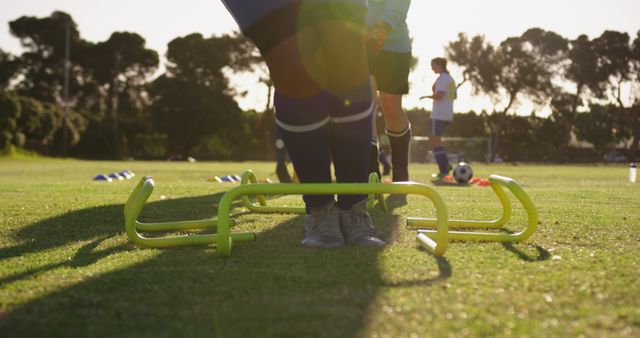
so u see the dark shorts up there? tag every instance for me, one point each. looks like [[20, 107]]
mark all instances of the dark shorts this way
[[391, 71], [269, 22], [436, 127]]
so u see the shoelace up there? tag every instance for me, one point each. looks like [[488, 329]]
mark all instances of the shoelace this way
[[322, 228], [361, 222]]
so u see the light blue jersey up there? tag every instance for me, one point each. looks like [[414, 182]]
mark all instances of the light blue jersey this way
[[394, 13]]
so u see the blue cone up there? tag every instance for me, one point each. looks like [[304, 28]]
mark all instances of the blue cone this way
[[116, 176], [102, 177], [227, 178], [127, 174]]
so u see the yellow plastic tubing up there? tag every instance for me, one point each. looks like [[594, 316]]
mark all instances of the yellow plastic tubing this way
[[497, 184], [437, 244], [133, 208], [249, 178], [435, 241], [224, 238]]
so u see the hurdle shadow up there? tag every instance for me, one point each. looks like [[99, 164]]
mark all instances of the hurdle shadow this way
[[274, 287], [444, 272], [96, 224], [85, 256], [60, 231], [395, 202], [103, 221], [521, 252], [444, 267]]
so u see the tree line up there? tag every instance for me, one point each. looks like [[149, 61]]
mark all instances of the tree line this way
[[580, 79], [67, 96], [111, 100]]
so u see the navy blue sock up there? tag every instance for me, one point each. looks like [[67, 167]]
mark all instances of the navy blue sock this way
[[350, 146], [303, 124], [281, 156], [311, 157], [442, 159], [400, 143], [350, 133]]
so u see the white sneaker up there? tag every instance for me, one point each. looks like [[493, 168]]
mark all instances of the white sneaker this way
[[322, 228], [357, 226]]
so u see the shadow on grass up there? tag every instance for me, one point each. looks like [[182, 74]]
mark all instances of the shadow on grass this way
[[85, 256], [444, 272], [541, 254], [522, 252], [103, 222], [273, 287], [394, 202]]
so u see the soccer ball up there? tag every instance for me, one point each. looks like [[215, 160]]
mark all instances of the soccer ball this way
[[462, 173]]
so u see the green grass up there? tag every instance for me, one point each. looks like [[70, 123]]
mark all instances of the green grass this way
[[67, 269]]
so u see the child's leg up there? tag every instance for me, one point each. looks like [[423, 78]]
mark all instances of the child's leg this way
[[348, 82], [350, 145], [399, 143], [436, 129], [306, 137], [288, 40]]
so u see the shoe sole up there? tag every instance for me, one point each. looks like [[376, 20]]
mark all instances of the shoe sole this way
[[318, 244], [369, 243]]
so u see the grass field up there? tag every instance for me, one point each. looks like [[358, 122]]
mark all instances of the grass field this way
[[67, 269]]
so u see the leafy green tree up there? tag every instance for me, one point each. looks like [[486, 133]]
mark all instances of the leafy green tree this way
[[9, 115], [548, 133], [42, 65], [519, 134], [524, 65], [635, 59], [118, 71], [563, 114], [192, 99], [634, 111], [468, 125], [583, 71], [596, 127], [8, 68], [38, 126], [245, 58], [42, 68], [614, 57], [43, 124], [476, 57]]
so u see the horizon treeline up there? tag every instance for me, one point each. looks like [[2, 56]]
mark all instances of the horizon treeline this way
[[109, 100]]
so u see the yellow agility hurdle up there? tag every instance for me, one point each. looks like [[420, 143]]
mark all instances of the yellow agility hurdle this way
[[497, 183], [425, 237], [435, 241], [224, 238], [133, 227], [250, 178]]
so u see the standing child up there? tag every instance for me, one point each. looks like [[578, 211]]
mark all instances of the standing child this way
[[316, 57], [389, 51], [444, 93]]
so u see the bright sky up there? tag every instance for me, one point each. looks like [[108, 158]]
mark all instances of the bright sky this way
[[431, 26]]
